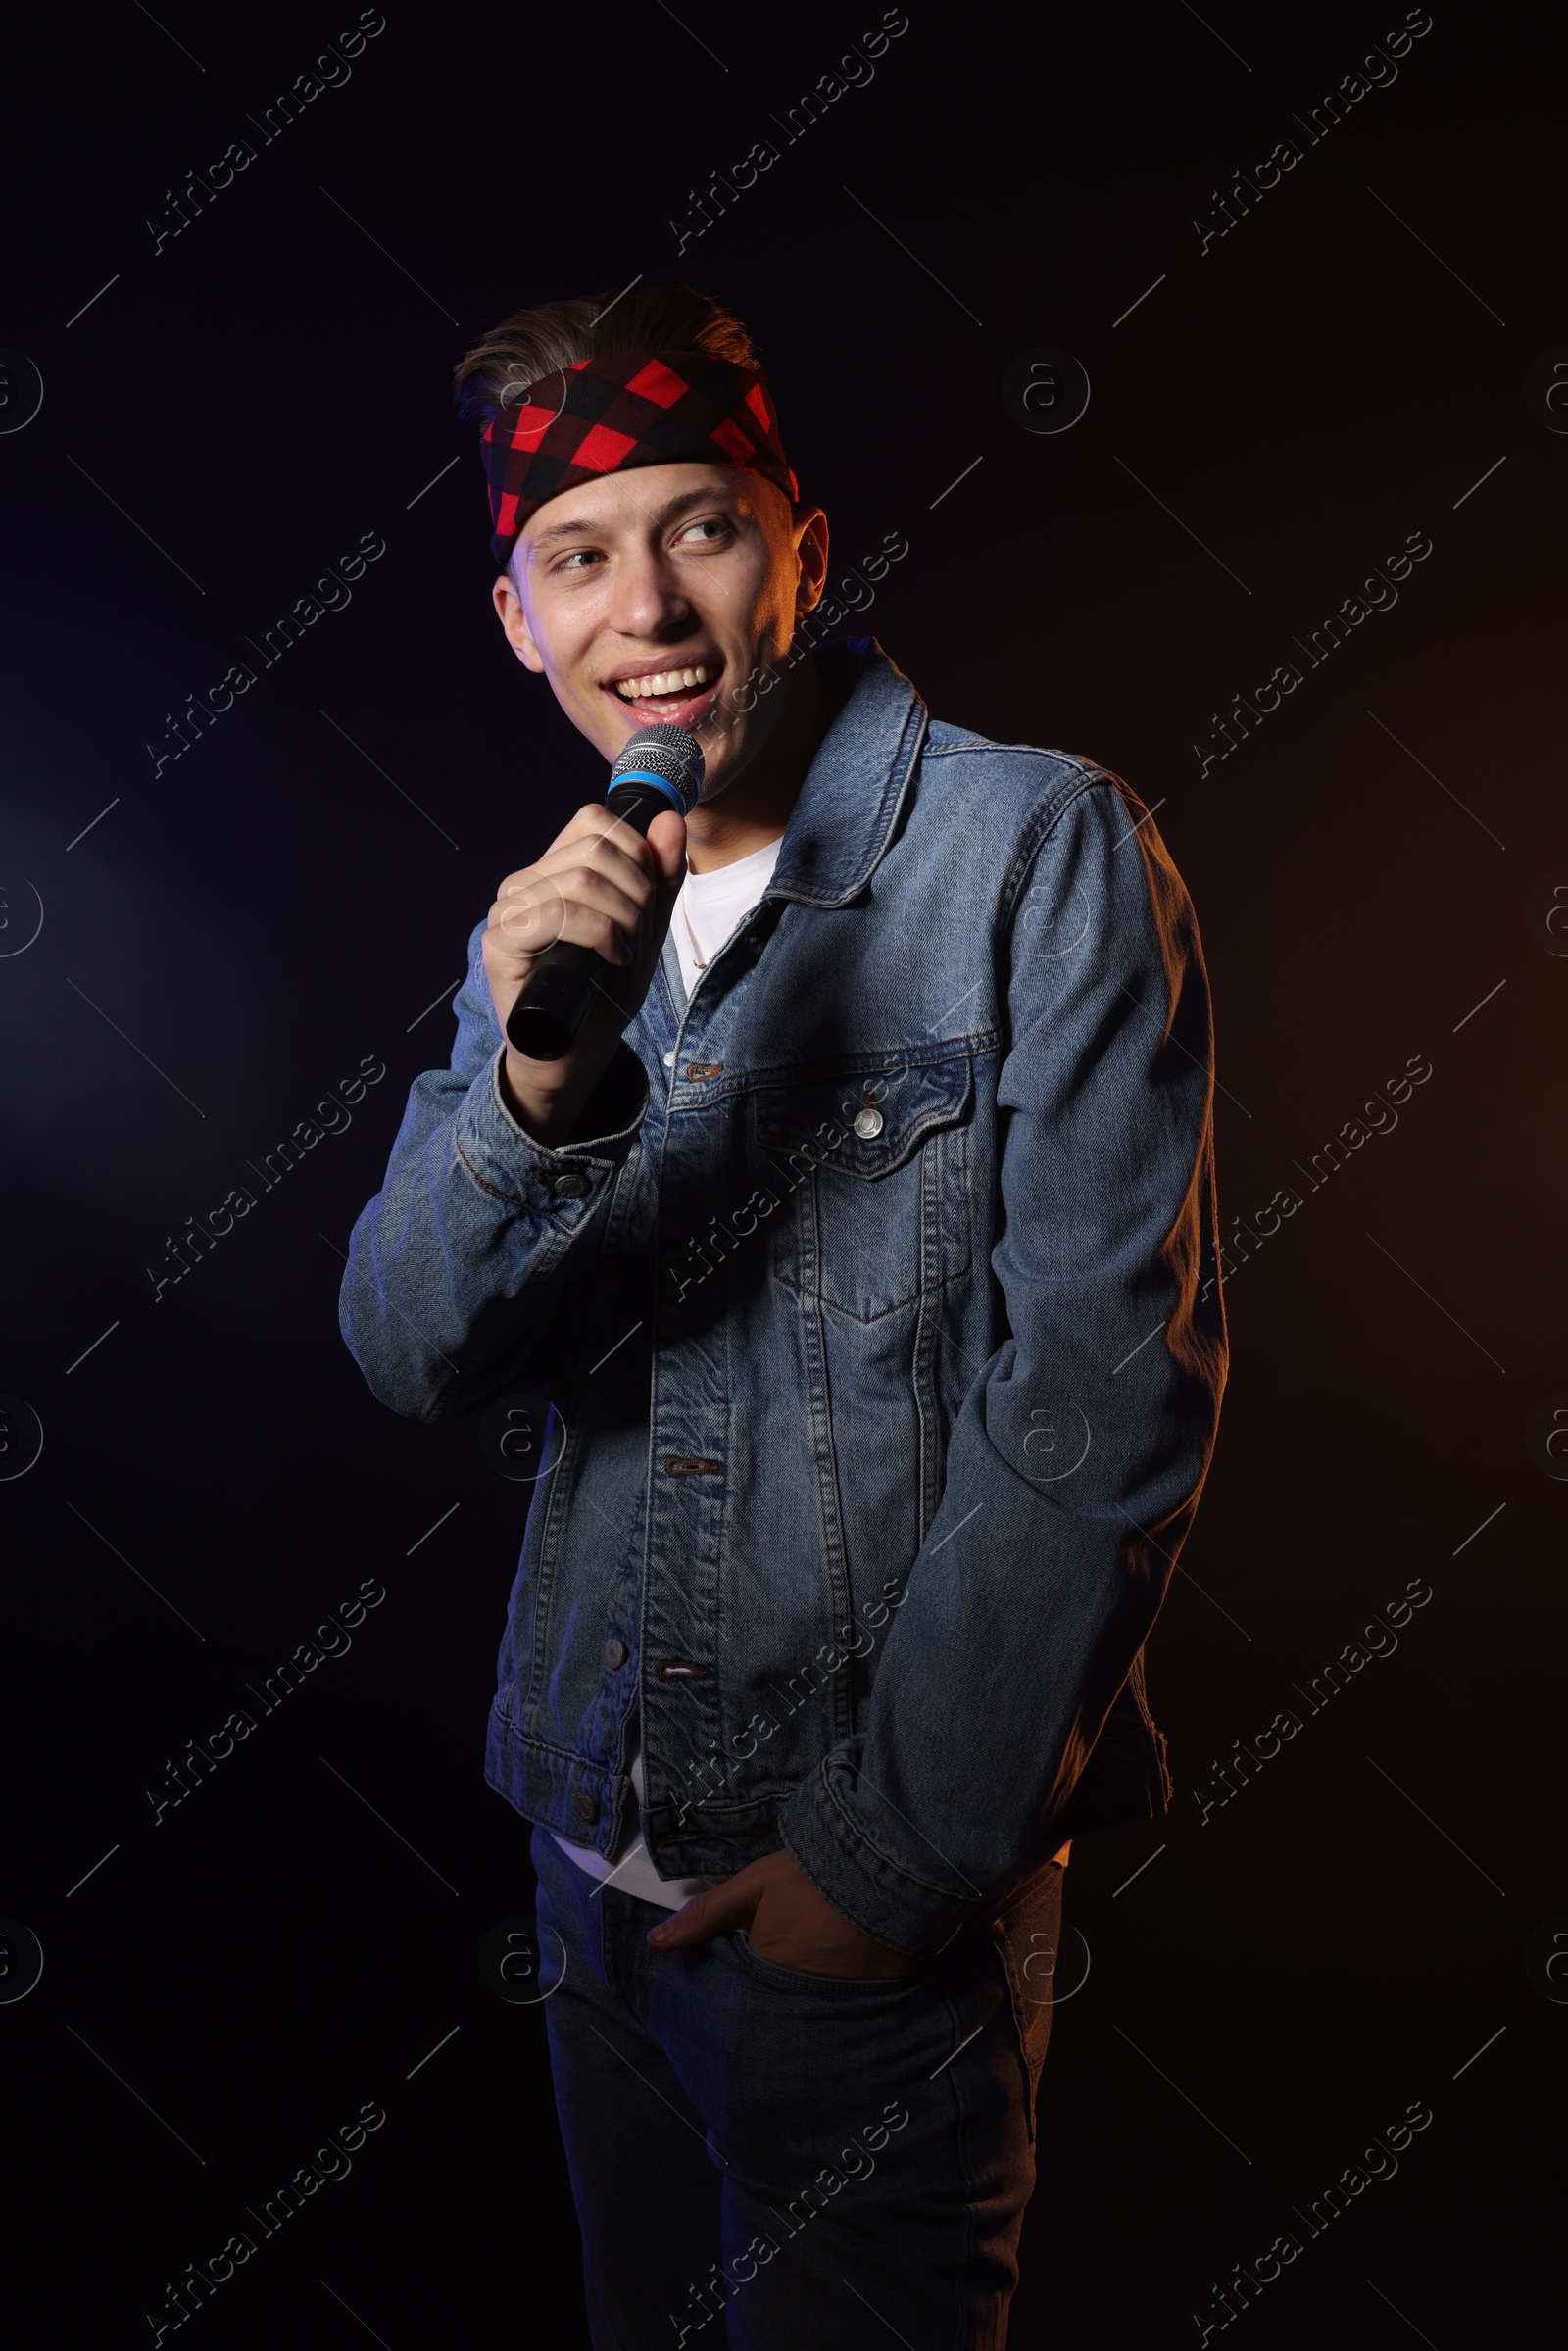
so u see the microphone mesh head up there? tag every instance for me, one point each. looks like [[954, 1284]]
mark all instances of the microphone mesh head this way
[[670, 753]]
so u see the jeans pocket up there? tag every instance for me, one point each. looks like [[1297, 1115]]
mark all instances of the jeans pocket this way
[[834, 1988]]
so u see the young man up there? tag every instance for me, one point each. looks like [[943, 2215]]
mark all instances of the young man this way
[[860, 1245]]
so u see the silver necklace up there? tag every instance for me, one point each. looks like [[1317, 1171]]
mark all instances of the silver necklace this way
[[697, 957]]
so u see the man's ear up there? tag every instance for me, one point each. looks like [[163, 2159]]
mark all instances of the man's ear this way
[[810, 547], [515, 622]]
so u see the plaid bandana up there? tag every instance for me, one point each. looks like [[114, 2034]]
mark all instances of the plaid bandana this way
[[628, 408]]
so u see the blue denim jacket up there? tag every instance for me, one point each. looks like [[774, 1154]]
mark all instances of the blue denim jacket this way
[[877, 1314]]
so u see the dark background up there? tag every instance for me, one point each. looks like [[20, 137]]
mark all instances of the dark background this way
[[237, 930]]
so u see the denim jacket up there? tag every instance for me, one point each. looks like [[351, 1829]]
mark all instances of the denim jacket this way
[[876, 1312]]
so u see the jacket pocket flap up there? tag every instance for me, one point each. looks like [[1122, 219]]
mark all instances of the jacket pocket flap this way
[[865, 1121]]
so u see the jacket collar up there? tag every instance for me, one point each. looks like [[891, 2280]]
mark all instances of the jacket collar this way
[[854, 790]]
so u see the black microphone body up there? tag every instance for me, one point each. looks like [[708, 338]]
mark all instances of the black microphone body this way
[[661, 769]]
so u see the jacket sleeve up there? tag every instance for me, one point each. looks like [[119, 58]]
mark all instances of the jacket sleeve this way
[[1076, 1461], [458, 1263]]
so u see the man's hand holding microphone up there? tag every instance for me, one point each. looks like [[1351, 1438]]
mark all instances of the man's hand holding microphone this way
[[573, 940]]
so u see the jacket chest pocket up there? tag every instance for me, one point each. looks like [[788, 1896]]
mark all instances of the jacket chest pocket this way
[[874, 1172]]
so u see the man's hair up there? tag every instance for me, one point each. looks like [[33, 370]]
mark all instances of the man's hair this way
[[535, 343]]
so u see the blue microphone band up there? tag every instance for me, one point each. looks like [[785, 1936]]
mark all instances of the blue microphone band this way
[[645, 775]]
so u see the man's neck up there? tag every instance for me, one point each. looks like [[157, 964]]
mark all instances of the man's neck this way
[[755, 809]]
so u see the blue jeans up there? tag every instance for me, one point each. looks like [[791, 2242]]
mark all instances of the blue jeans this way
[[772, 2159]]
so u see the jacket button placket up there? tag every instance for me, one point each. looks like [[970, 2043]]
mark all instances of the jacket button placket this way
[[681, 1711]]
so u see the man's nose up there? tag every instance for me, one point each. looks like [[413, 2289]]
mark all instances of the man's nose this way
[[649, 600]]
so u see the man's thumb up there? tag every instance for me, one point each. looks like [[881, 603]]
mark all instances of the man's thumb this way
[[666, 838]]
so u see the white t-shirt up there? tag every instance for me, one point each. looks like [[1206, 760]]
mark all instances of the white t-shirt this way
[[711, 905], [709, 908]]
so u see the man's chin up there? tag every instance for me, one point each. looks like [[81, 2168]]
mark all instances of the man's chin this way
[[731, 753]]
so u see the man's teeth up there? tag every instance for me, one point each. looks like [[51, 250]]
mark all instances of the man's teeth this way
[[662, 681]]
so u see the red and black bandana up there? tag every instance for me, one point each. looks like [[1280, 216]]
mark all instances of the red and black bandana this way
[[628, 408]]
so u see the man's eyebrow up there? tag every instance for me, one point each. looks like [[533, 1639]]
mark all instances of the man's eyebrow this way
[[590, 527]]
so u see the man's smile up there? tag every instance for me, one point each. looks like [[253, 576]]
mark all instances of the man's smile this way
[[679, 691]]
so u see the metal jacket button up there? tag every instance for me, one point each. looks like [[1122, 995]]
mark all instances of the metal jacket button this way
[[615, 1653], [587, 1808], [867, 1123], [572, 1187]]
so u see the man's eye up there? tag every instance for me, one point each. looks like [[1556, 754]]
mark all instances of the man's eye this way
[[711, 522], [579, 559]]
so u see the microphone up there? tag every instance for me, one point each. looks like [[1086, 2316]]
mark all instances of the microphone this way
[[660, 768]]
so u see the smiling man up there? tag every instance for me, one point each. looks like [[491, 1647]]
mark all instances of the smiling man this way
[[858, 1247]]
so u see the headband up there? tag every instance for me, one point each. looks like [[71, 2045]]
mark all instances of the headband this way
[[625, 409]]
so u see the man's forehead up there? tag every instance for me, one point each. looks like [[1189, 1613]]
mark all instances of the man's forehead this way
[[644, 496]]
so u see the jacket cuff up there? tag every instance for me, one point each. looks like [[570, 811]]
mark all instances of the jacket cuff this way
[[511, 1167], [873, 1864]]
